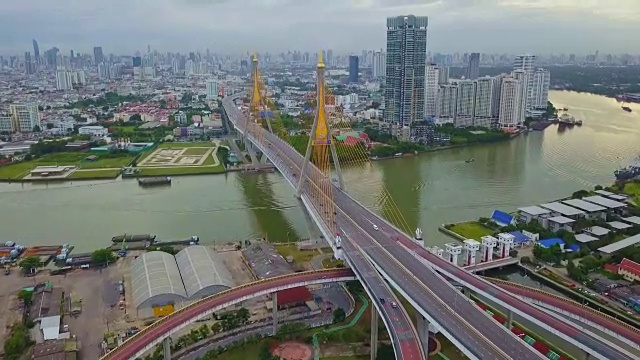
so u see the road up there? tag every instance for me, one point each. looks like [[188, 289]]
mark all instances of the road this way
[[163, 327], [386, 253]]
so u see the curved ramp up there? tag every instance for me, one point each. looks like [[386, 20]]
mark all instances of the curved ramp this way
[[153, 334]]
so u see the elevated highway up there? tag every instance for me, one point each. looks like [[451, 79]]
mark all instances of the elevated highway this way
[[395, 261]]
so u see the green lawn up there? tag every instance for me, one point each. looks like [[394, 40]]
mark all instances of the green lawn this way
[[299, 256], [331, 263], [249, 351], [16, 171], [94, 174], [196, 151], [471, 230], [107, 163], [20, 170], [182, 145], [633, 189], [186, 170]]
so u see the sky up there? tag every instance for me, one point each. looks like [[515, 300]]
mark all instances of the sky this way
[[237, 26]]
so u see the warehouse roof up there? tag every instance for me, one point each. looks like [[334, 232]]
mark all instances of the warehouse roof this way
[[156, 274], [202, 268]]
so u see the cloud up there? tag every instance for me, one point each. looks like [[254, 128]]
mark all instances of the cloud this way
[[124, 26]]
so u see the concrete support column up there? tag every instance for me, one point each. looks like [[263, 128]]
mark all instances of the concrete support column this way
[[509, 323], [586, 356], [274, 299], [467, 292], [423, 334], [374, 333], [166, 348]]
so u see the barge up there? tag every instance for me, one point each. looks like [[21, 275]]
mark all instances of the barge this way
[[154, 181], [133, 238]]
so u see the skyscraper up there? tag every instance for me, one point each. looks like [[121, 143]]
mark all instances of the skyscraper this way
[[431, 90], [473, 68], [379, 64], [512, 95], [353, 69], [36, 52], [541, 81], [482, 112], [406, 62], [526, 63], [98, 57], [28, 64], [465, 103]]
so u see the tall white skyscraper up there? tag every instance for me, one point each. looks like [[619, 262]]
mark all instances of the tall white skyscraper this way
[[541, 82], [212, 89], [379, 64], [406, 62], [431, 89], [511, 95], [523, 77], [104, 71], [447, 102], [482, 113], [64, 80], [526, 63], [495, 97], [465, 103], [443, 75]]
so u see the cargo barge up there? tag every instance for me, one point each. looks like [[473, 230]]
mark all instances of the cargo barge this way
[[629, 172], [154, 181], [137, 245], [133, 238]]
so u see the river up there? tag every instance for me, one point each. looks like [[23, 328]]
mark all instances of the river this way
[[430, 189]]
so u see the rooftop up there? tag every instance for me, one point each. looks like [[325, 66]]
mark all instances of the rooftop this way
[[562, 209], [611, 195], [619, 225], [630, 266], [617, 246], [533, 210], [597, 230], [585, 238], [561, 220], [584, 205], [602, 201], [632, 220]]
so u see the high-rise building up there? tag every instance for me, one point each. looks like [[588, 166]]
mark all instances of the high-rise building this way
[[36, 52], [495, 96], [465, 103], [25, 117], [473, 68], [431, 90], [447, 102], [406, 64], [104, 71], [64, 80], [353, 69], [511, 95], [329, 58], [28, 64], [523, 77], [482, 111], [98, 57], [526, 63], [379, 64], [212, 89], [541, 82], [137, 61], [443, 74]]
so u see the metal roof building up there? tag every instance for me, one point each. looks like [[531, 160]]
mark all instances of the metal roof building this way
[[203, 272], [156, 280]]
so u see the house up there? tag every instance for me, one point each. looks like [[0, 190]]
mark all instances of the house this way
[[529, 213], [635, 220], [597, 231], [612, 206], [619, 245], [547, 243], [560, 209], [592, 211], [558, 223], [630, 270], [619, 226], [585, 238], [612, 196], [502, 218]]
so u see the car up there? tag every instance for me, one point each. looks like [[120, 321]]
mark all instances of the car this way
[[394, 304], [382, 301], [375, 227]]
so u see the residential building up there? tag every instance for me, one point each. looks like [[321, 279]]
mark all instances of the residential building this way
[[97, 131], [526, 63], [495, 96], [431, 89], [473, 68], [24, 117], [482, 111], [447, 102], [523, 77], [443, 74], [353, 69], [406, 64], [64, 81], [6, 125], [630, 270], [98, 57], [540, 88], [28, 64], [510, 100], [104, 71], [379, 64], [465, 103], [212, 89]]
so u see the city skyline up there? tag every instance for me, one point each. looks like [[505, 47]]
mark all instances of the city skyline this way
[[487, 26]]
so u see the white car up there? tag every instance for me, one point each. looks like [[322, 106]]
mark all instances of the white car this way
[[375, 227]]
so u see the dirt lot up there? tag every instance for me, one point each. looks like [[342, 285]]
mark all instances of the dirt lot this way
[[238, 269], [99, 293]]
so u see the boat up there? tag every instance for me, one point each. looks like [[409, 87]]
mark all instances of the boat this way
[[133, 238], [626, 108], [566, 119], [470, 160], [154, 181], [418, 234], [579, 122], [628, 172], [565, 109]]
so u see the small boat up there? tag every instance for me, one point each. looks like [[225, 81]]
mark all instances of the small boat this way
[[154, 181], [470, 160], [565, 109], [626, 108], [578, 122]]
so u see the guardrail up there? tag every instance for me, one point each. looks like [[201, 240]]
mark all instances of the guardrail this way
[[566, 301], [337, 272]]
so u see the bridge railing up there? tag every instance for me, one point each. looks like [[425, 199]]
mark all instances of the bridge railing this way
[[161, 321], [566, 301]]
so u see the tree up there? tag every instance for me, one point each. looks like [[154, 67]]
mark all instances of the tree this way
[[339, 315], [29, 263], [598, 187], [216, 328], [243, 315], [36, 128], [17, 342], [102, 256], [204, 330], [26, 296], [385, 352]]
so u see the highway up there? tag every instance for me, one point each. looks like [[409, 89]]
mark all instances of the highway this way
[[476, 333], [387, 253], [153, 334]]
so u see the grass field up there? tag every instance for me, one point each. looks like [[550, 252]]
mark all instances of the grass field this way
[[195, 151], [94, 174], [299, 256], [20, 170], [633, 189], [182, 145], [471, 230]]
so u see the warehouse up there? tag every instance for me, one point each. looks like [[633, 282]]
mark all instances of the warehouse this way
[[203, 272]]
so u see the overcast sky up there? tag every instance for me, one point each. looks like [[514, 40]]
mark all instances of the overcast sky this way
[[234, 26]]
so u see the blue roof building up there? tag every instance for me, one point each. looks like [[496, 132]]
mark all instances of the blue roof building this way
[[502, 218], [547, 243], [519, 237]]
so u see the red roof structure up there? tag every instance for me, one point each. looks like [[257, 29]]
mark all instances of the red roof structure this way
[[630, 266], [611, 268], [294, 296]]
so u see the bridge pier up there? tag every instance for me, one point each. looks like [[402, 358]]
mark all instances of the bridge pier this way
[[251, 150], [466, 292], [274, 299], [374, 333], [509, 323], [423, 334], [166, 348]]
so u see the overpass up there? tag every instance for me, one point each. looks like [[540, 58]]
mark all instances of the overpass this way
[[379, 244]]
